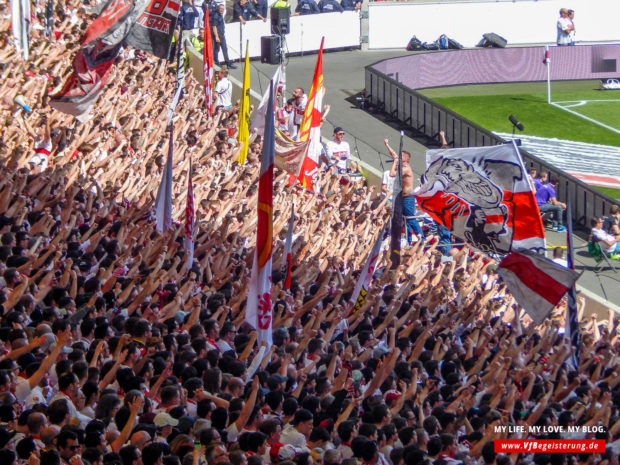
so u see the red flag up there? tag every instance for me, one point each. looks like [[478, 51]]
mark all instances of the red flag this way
[[310, 128], [288, 247], [258, 311], [189, 216], [547, 60], [537, 283], [207, 57]]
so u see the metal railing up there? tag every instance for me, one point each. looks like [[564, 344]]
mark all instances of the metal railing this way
[[425, 117]]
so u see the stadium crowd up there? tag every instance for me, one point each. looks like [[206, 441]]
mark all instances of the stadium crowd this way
[[116, 350]]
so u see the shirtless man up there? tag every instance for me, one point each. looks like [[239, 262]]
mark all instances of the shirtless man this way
[[408, 198]]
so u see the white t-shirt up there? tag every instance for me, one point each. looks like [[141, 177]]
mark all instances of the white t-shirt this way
[[388, 181], [339, 152], [299, 109], [601, 236], [223, 88]]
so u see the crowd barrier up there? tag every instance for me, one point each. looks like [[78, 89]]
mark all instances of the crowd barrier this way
[[524, 22], [426, 117], [341, 30]]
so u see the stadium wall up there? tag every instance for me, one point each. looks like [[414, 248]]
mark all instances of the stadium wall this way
[[391, 25], [341, 30]]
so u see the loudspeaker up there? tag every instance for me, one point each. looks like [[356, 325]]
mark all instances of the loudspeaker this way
[[280, 20], [492, 40], [270, 50]]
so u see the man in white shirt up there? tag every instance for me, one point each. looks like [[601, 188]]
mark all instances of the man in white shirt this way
[[564, 27], [299, 106], [223, 90], [297, 433], [609, 242], [338, 151]]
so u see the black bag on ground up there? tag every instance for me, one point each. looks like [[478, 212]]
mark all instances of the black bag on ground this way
[[491, 39], [454, 45], [414, 44]]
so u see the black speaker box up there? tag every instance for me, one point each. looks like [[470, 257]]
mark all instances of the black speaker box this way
[[280, 20], [270, 50]]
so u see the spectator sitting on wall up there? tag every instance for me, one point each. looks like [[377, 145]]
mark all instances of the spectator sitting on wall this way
[[351, 5], [306, 7], [244, 11], [330, 6]]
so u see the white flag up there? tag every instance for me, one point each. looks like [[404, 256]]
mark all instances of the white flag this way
[[257, 121], [163, 202]]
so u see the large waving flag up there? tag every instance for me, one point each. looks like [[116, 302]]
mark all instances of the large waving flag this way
[[363, 282], [482, 195], [189, 216], [244, 111], [154, 29], [288, 248], [258, 117], [163, 201], [258, 312], [91, 69], [290, 154], [310, 128], [207, 67], [537, 283]]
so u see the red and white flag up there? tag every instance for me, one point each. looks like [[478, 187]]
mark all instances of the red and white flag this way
[[257, 121], [310, 128], [482, 195], [189, 217], [207, 56], [288, 248], [537, 283], [258, 312], [163, 202], [547, 60]]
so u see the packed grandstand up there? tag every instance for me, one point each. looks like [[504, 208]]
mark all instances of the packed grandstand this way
[[119, 347]]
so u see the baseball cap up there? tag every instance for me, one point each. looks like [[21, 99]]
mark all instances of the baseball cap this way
[[164, 419], [338, 129]]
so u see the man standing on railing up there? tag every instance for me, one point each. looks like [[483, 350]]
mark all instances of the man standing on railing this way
[[407, 186], [219, 36]]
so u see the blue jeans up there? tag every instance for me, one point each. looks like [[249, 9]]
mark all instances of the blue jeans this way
[[555, 209], [409, 213], [445, 239]]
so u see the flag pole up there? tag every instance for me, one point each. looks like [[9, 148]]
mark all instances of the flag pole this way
[[548, 64], [571, 325], [397, 210]]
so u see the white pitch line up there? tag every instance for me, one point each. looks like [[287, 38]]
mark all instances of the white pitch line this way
[[578, 104], [592, 120], [603, 100]]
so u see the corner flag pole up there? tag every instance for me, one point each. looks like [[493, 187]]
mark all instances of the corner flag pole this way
[[548, 64]]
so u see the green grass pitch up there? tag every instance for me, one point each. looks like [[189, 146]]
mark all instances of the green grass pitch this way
[[489, 105]]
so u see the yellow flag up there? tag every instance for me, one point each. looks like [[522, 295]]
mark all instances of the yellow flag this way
[[244, 111]]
